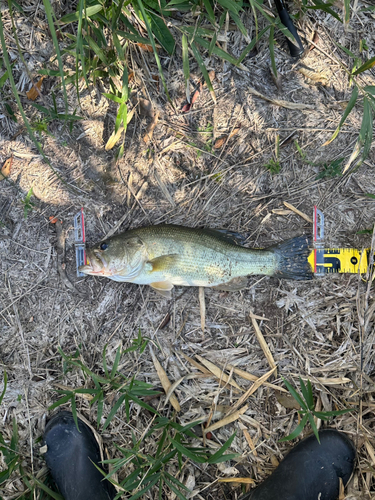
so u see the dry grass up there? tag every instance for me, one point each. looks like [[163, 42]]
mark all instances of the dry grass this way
[[322, 330]]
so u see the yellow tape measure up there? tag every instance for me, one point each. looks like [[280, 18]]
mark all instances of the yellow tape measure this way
[[334, 260], [339, 260]]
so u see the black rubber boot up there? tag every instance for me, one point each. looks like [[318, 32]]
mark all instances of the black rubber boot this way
[[69, 457], [310, 471]]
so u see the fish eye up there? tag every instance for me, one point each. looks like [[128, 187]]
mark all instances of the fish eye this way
[[104, 246]]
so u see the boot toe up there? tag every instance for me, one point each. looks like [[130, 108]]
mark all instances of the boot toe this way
[[71, 455], [311, 471]]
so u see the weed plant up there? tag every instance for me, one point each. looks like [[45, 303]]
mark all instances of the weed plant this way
[[173, 440], [307, 411], [103, 32]]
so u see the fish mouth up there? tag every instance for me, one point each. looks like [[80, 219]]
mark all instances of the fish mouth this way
[[96, 264]]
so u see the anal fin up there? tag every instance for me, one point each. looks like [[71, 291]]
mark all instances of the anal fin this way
[[233, 285], [163, 287]]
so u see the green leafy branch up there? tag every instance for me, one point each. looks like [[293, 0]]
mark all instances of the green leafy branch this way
[[128, 390], [151, 469], [307, 411]]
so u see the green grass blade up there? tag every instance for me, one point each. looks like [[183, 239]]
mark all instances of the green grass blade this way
[[368, 65], [74, 412], [230, 5], [188, 453], [252, 44], [305, 394], [105, 361], [349, 107], [152, 41], [216, 50], [319, 5], [236, 18], [100, 409], [5, 378], [203, 68], [48, 10], [323, 415], [210, 12], [80, 54], [98, 51], [220, 453], [185, 63], [120, 51], [145, 489], [161, 32], [176, 481], [75, 16], [61, 401], [134, 38], [313, 426], [295, 394], [47, 490], [367, 125], [175, 490], [114, 410], [118, 352], [272, 51], [297, 431]]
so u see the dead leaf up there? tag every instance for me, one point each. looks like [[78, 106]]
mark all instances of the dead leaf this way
[[298, 212], [250, 442], [274, 460], [280, 102], [341, 490], [253, 388], [53, 219], [218, 372], [145, 47], [33, 93], [251, 377], [287, 401], [5, 169], [312, 75], [263, 344], [219, 143], [227, 420], [196, 94], [165, 382]]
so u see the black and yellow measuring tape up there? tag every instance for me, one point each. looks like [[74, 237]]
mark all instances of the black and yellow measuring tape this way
[[335, 260]]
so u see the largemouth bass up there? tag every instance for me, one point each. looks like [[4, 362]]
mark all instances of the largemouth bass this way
[[167, 255]]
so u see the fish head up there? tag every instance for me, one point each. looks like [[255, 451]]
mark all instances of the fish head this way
[[117, 258]]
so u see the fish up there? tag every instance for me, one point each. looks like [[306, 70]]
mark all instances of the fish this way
[[164, 256]]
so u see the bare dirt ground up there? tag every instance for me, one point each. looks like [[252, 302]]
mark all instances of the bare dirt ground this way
[[322, 330]]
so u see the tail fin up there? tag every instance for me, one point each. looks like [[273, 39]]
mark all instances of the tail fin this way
[[292, 258]]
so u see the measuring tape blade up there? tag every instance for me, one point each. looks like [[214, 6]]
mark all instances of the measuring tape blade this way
[[334, 260], [339, 260]]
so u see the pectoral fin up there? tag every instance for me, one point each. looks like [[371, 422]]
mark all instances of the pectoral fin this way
[[233, 285], [163, 287], [163, 262]]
